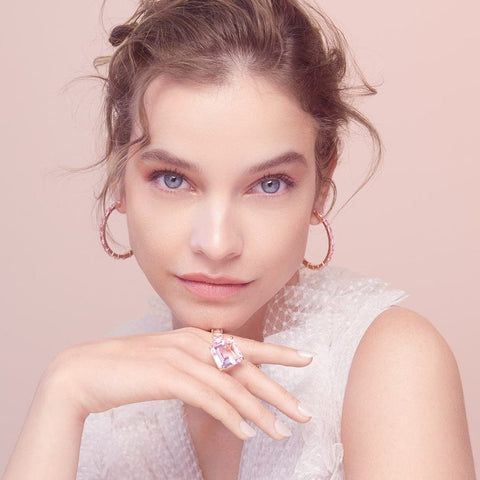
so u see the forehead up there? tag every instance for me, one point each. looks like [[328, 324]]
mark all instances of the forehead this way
[[248, 116]]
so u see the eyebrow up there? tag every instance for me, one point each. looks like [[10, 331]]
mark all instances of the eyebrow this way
[[161, 155]]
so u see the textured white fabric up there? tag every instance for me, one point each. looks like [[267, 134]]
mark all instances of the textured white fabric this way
[[327, 312]]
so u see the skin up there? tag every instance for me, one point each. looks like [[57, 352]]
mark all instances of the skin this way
[[403, 413], [222, 221]]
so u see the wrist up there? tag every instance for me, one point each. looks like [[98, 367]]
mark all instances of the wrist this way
[[49, 442], [55, 393]]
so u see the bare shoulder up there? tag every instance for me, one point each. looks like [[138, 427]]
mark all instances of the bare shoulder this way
[[403, 413]]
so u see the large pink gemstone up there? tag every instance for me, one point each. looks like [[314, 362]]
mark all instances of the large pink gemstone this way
[[225, 352]]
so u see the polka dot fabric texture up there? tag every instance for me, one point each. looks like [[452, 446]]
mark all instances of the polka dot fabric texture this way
[[326, 312]]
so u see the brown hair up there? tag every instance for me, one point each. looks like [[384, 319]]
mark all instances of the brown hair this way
[[202, 41]]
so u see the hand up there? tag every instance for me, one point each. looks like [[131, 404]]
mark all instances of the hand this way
[[100, 375]]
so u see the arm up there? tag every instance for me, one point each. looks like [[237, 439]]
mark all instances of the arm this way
[[49, 443], [403, 414]]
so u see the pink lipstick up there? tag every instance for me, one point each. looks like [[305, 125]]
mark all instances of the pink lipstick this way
[[212, 287]]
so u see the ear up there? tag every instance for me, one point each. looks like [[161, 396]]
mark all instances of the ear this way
[[120, 196], [319, 204], [121, 207], [313, 218]]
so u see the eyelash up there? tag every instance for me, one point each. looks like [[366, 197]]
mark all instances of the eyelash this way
[[280, 175]]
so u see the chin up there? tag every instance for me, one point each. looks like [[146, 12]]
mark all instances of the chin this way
[[227, 327], [207, 324]]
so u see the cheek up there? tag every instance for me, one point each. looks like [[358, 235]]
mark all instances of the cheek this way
[[155, 235], [281, 246]]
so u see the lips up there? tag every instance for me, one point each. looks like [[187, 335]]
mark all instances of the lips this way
[[208, 287], [217, 280]]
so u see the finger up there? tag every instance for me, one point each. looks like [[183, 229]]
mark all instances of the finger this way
[[261, 352], [230, 389], [262, 386], [196, 393]]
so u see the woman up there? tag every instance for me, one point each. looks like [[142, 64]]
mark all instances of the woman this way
[[224, 122]]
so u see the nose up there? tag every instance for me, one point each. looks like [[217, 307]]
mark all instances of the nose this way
[[215, 233]]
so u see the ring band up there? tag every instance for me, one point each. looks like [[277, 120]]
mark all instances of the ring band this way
[[225, 351]]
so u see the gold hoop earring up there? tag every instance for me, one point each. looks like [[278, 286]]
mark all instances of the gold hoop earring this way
[[331, 244], [103, 238]]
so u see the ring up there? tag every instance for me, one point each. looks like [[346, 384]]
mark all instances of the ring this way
[[225, 351]]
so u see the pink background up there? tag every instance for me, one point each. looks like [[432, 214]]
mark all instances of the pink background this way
[[416, 224]]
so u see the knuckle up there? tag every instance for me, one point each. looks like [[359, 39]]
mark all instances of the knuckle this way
[[208, 395], [187, 329], [258, 411], [186, 338], [190, 330], [286, 396], [229, 382], [252, 368], [248, 374], [251, 345]]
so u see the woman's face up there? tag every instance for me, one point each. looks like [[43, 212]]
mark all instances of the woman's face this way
[[218, 216]]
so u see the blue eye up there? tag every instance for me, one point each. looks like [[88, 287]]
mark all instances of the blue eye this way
[[273, 182], [172, 179]]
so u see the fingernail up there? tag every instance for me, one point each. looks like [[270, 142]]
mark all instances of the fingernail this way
[[305, 354], [247, 429], [282, 428], [304, 410]]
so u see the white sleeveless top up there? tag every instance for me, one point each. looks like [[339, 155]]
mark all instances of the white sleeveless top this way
[[326, 312]]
